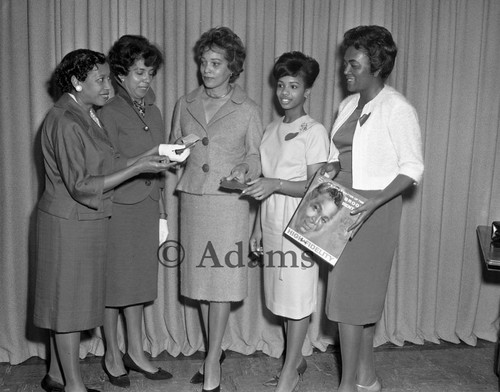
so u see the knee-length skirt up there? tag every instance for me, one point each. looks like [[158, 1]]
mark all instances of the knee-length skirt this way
[[290, 276], [70, 273], [357, 285], [214, 235], [132, 263]]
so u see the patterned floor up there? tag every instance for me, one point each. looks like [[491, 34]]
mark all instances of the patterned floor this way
[[428, 368]]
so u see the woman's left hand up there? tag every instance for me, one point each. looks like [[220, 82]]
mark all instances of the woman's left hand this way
[[262, 188], [395, 188], [239, 173], [363, 212]]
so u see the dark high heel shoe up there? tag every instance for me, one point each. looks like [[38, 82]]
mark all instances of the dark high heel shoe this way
[[51, 385], [272, 382], [160, 374], [198, 377], [301, 369], [217, 388], [122, 381]]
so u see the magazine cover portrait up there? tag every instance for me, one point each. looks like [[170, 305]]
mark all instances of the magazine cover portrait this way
[[322, 218]]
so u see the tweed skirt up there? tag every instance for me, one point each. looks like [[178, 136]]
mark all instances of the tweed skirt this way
[[69, 291], [214, 235], [357, 285], [132, 264]]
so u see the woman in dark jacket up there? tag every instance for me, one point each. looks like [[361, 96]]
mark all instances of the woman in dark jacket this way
[[81, 170], [134, 123]]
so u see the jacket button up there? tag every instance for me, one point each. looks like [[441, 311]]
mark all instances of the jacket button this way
[[147, 182], [205, 168], [205, 141]]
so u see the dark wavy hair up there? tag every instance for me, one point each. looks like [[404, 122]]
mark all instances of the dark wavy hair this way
[[130, 48], [296, 64], [77, 63], [223, 38], [332, 191], [377, 43]]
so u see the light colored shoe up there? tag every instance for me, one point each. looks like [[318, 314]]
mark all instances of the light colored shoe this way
[[301, 369], [273, 382], [375, 387]]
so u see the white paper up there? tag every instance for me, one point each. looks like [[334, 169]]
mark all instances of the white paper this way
[[169, 150], [163, 230]]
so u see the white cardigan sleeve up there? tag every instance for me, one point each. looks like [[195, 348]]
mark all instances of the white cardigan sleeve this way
[[405, 134]]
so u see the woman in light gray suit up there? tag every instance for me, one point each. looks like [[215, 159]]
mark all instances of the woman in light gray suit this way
[[214, 222]]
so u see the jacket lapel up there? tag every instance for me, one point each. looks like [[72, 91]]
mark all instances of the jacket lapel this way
[[225, 110], [195, 107], [237, 98], [94, 130]]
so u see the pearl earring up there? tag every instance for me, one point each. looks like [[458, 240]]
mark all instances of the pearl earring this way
[[78, 88]]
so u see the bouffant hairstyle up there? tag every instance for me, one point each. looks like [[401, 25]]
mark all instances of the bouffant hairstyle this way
[[296, 64], [77, 63], [223, 38], [130, 48], [330, 190], [377, 43]]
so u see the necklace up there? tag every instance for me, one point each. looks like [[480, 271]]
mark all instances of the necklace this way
[[140, 106], [220, 96]]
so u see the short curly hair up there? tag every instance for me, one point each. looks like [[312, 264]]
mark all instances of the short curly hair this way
[[223, 38], [377, 43], [296, 64], [130, 48], [331, 190], [77, 63]]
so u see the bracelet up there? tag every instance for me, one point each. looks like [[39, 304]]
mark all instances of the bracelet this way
[[281, 185]]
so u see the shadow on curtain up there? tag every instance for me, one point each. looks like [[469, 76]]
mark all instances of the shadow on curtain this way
[[446, 66]]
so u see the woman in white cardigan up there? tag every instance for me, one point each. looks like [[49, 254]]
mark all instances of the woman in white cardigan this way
[[376, 149]]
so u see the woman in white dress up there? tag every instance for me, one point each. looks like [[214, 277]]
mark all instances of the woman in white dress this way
[[292, 150]]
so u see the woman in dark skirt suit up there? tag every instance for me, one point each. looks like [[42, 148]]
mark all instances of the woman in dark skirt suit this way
[[214, 222], [81, 170], [377, 150], [134, 123]]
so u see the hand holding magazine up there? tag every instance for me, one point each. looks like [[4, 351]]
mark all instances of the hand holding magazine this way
[[322, 218]]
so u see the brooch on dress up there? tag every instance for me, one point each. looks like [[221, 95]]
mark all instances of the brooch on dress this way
[[363, 119], [291, 135]]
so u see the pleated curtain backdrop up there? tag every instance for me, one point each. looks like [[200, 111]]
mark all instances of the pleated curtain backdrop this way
[[447, 67]]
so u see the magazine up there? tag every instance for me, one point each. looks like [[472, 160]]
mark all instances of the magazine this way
[[322, 218]]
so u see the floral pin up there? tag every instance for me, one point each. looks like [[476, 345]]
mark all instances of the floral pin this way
[[290, 136]]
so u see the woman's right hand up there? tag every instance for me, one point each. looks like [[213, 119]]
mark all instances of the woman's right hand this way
[[262, 187], [135, 166], [330, 169], [152, 164]]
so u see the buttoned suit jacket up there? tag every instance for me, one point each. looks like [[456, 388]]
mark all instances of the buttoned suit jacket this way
[[132, 135], [231, 137], [77, 154]]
